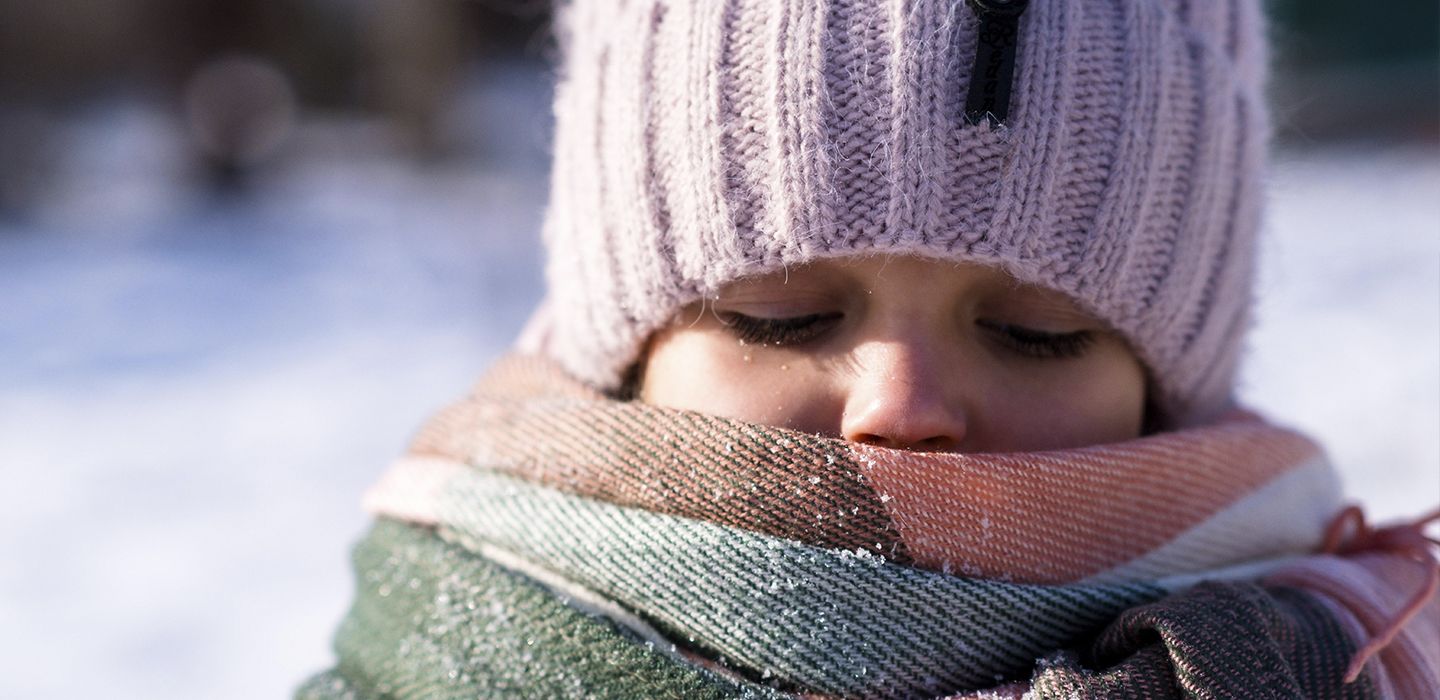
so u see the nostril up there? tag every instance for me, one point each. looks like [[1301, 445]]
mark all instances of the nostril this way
[[938, 443], [874, 440]]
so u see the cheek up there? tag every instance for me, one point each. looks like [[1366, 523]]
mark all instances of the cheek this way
[[1099, 400], [710, 373]]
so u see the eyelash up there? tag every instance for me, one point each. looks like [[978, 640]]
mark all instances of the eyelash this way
[[752, 330], [794, 331], [1040, 344]]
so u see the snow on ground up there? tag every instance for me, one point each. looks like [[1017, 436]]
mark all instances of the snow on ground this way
[[194, 392]]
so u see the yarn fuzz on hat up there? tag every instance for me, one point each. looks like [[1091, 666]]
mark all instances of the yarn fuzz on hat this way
[[700, 141]]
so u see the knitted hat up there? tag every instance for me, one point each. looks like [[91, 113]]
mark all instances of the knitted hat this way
[[699, 141]]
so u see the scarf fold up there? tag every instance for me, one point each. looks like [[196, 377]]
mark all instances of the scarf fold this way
[[540, 540]]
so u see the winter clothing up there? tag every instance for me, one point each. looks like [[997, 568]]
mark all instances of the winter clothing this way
[[544, 539], [699, 142], [541, 540]]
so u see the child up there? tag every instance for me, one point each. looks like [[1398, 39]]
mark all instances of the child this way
[[889, 352]]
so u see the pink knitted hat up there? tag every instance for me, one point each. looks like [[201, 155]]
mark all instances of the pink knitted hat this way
[[699, 141]]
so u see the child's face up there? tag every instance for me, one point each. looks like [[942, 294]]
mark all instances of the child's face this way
[[901, 352]]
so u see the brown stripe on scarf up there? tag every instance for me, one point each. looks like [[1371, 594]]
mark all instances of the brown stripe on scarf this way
[[1217, 640], [778, 482]]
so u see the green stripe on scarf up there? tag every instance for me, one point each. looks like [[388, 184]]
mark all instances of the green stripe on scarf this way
[[431, 620]]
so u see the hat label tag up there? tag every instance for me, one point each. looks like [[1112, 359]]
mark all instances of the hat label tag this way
[[993, 73]]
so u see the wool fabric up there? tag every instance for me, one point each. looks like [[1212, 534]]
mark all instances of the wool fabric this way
[[541, 540], [700, 141]]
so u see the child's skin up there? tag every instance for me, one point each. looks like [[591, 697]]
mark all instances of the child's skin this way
[[901, 352]]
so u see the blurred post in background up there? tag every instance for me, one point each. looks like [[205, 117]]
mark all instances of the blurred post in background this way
[[246, 246], [1348, 71]]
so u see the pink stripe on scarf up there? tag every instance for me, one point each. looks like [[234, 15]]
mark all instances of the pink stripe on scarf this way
[[1061, 516]]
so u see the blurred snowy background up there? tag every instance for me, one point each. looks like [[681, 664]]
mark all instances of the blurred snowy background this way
[[247, 246]]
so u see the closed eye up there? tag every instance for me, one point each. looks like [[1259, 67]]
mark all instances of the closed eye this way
[[1031, 343], [778, 331]]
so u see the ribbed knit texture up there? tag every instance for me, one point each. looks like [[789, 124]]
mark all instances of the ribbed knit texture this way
[[699, 141]]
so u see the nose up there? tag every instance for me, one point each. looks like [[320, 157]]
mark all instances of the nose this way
[[898, 398]]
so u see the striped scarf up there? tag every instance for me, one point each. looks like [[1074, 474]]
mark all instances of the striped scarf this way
[[541, 540]]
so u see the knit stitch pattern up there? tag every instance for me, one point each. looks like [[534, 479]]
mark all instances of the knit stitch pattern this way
[[700, 141]]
